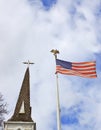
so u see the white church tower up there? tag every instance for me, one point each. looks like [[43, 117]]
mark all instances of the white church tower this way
[[21, 118]]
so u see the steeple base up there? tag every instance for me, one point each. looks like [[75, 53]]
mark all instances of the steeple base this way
[[18, 125]]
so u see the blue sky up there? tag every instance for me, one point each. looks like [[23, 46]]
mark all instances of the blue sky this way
[[48, 3], [29, 29]]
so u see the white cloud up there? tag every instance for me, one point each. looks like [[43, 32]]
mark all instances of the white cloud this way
[[28, 32]]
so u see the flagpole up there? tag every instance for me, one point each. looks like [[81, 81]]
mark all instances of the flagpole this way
[[55, 52]]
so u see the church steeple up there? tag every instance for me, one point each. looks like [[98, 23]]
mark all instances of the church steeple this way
[[23, 110], [21, 119]]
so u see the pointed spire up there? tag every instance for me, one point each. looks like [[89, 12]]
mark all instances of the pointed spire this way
[[23, 110]]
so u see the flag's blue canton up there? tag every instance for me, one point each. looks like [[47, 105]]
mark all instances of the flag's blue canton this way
[[64, 64]]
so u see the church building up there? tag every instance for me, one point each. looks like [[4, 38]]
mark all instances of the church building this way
[[21, 118]]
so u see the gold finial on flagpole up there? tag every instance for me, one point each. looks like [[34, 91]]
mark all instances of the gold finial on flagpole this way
[[28, 63], [55, 52]]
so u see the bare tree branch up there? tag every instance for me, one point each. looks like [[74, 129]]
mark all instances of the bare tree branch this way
[[3, 109]]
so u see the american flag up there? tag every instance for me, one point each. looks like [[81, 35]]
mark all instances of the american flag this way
[[83, 69]]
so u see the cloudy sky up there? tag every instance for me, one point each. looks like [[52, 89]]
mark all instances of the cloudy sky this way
[[29, 29]]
